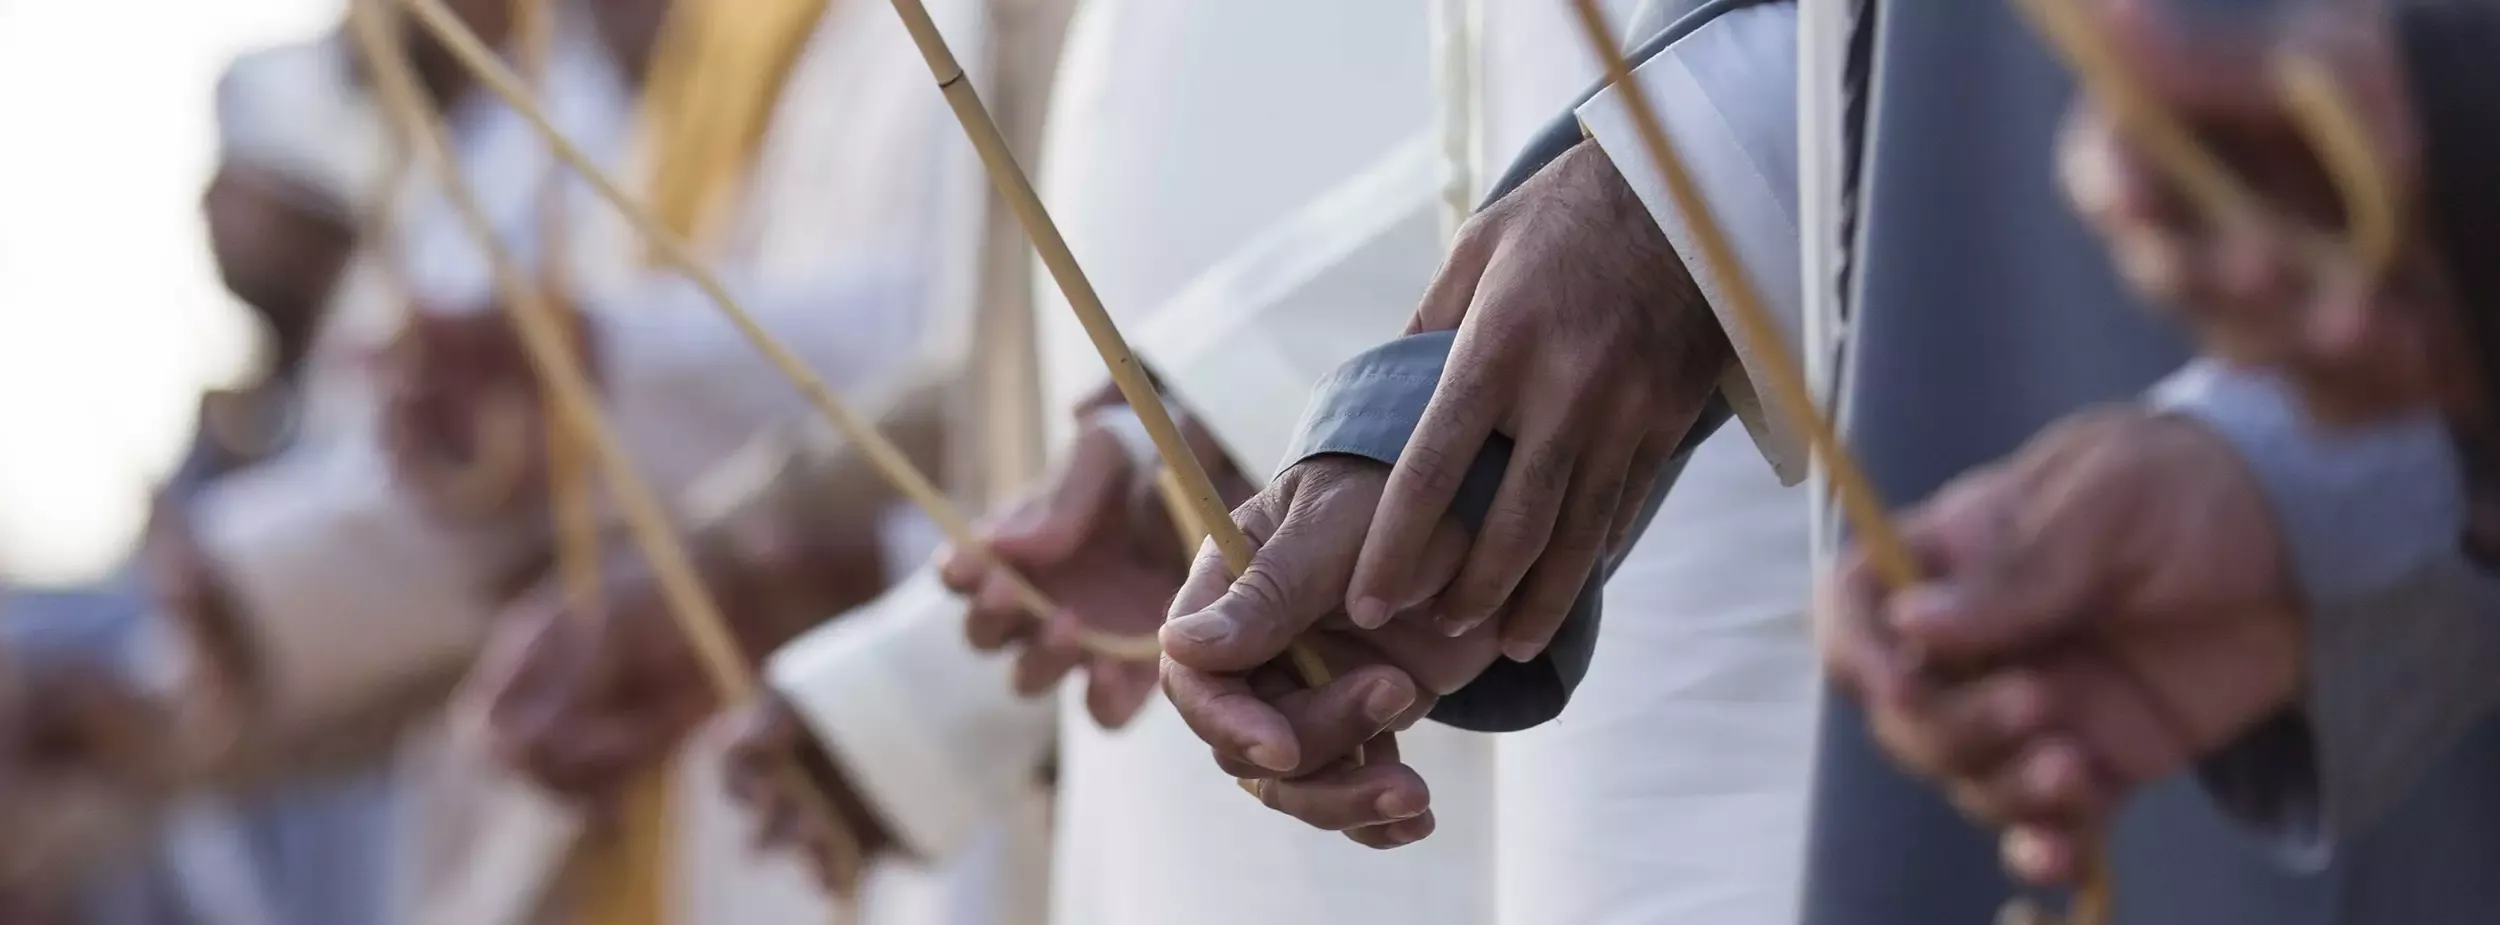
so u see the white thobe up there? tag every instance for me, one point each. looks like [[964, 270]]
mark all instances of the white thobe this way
[[1264, 209], [1261, 210], [354, 597], [1674, 788]]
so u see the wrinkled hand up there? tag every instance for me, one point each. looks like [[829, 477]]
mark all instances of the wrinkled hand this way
[[85, 760], [2360, 344], [1222, 647], [584, 702], [1098, 541], [2103, 608], [463, 416], [1583, 339], [770, 740]]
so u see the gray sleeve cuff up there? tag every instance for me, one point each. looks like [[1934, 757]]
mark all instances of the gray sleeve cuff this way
[[2404, 647], [1369, 407]]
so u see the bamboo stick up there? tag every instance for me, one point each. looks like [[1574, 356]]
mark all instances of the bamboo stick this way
[[1205, 503], [1790, 395], [544, 338], [881, 453]]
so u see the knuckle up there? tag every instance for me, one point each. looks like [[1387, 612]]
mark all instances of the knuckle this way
[[1433, 472]]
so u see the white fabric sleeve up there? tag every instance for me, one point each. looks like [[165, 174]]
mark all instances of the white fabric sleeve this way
[[686, 388], [1243, 342], [347, 594], [1727, 96], [927, 731]]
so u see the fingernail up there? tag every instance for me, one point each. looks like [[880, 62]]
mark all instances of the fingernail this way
[[1206, 628], [1454, 627], [1370, 613], [1523, 650], [1399, 804], [2027, 853], [1386, 700], [1269, 755]]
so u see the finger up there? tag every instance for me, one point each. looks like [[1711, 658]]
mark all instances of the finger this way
[[1535, 613], [997, 615], [1223, 712], [1856, 655], [2049, 856], [2049, 782], [1516, 529], [1962, 728], [2015, 565], [1043, 663], [1453, 287], [1296, 577], [961, 570], [2211, 75], [1117, 688], [1092, 480], [1396, 834], [1647, 463], [597, 756], [1373, 794], [1332, 722], [1473, 392]]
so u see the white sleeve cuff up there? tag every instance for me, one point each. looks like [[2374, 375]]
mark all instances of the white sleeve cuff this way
[[1727, 96], [347, 595], [929, 732]]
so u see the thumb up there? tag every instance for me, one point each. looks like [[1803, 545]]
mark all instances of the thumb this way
[[1071, 508], [1298, 576], [1992, 591]]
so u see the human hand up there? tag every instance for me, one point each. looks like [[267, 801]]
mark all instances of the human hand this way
[[770, 742], [2105, 607], [1098, 540], [85, 761], [1327, 756], [583, 701], [1582, 338], [463, 415], [2362, 341]]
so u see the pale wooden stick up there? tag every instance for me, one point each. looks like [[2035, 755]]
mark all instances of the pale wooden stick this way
[[881, 453], [1205, 503], [1760, 334], [1756, 329], [543, 337]]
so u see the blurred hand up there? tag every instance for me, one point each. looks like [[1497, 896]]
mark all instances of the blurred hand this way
[[2361, 344], [1582, 338], [1098, 540], [463, 416], [771, 741], [85, 761], [2103, 608], [585, 701], [1222, 650]]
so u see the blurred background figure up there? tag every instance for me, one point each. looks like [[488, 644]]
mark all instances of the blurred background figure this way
[[296, 151]]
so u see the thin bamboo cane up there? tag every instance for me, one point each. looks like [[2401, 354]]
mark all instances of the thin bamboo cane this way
[[543, 337], [881, 453], [1866, 510], [1205, 503]]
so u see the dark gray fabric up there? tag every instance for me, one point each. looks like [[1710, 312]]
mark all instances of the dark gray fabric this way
[[1983, 312], [2402, 640], [1369, 407]]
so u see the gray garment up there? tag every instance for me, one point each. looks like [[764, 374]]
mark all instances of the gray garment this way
[[1982, 312], [2402, 636]]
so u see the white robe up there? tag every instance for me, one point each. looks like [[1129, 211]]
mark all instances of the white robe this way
[[1674, 788], [353, 594], [1264, 208]]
